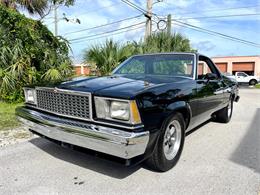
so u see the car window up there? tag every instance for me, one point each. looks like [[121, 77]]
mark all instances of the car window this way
[[205, 66], [133, 67], [159, 65], [241, 74], [171, 67]]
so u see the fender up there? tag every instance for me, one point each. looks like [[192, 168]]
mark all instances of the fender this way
[[184, 108], [178, 106]]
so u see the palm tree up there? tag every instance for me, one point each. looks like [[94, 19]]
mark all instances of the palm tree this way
[[164, 42], [32, 6], [107, 56]]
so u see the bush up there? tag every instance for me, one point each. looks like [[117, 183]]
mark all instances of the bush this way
[[29, 55]]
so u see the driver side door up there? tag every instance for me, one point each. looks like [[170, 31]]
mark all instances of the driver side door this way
[[209, 89]]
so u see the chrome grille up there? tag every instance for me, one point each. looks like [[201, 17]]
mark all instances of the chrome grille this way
[[64, 102]]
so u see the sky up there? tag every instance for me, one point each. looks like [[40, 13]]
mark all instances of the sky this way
[[93, 13]]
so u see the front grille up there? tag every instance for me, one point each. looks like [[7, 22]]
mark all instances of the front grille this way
[[65, 103]]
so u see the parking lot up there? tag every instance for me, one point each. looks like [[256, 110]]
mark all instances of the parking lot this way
[[217, 159]]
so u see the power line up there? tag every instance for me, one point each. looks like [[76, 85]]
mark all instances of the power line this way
[[103, 25], [110, 34], [213, 10], [99, 9], [93, 10], [107, 32], [217, 34], [220, 16], [177, 22], [134, 6]]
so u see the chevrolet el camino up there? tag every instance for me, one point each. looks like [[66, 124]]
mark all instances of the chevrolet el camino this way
[[142, 111]]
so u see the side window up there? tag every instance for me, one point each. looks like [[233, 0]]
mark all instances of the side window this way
[[205, 66], [241, 74], [134, 67], [173, 67]]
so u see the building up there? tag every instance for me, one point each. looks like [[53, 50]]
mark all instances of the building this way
[[82, 69], [233, 64]]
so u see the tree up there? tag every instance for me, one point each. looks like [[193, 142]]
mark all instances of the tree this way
[[34, 6], [110, 54], [107, 56], [29, 54], [164, 42]]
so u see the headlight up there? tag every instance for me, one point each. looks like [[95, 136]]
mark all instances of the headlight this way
[[30, 95], [121, 110]]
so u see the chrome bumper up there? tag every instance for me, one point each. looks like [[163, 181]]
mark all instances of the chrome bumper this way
[[107, 140]]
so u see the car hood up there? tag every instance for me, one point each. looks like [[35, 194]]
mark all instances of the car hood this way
[[119, 86]]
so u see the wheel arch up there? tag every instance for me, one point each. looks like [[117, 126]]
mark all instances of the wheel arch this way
[[183, 108]]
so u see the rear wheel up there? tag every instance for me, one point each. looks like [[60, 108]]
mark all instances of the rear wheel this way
[[170, 144], [224, 115], [253, 82]]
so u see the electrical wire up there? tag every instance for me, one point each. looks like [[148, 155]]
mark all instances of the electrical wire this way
[[93, 10], [107, 32], [220, 16], [131, 4], [183, 24], [99, 9], [214, 10], [132, 29], [102, 25]]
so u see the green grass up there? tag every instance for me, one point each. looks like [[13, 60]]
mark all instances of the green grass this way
[[257, 86], [7, 116]]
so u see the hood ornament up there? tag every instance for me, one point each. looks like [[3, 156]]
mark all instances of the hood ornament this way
[[146, 83]]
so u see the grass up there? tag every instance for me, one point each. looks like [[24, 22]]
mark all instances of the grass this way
[[7, 116], [257, 86]]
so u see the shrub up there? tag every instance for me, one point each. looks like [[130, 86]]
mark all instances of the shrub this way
[[29, 55]]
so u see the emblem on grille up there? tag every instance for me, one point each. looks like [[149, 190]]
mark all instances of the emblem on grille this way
[[55, 90]]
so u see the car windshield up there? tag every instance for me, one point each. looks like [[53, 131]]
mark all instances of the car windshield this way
[[158, 64]]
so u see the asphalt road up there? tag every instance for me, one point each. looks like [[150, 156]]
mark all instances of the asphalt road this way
[[217, 159]]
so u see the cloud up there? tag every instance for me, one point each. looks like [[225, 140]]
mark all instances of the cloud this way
[[94, 13], [204, 45]]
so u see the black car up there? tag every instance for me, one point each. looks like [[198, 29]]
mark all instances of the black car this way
[[142, 111]]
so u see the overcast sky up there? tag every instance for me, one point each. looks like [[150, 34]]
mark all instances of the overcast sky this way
[[93, 13]]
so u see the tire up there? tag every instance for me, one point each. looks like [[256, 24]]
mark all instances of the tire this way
[[253, 82], [224, 115], [170, 144]]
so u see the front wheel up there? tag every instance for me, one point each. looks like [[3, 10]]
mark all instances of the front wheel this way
[[253, 82], [170, 144], [224, 115]]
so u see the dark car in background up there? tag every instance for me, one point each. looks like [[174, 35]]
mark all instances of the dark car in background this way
[[141, 112]]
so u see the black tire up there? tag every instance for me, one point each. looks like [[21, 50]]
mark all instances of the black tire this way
[[253, 82], [224, 115], [158, 160]]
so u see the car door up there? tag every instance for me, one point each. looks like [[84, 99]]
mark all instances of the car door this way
[[242, 77], [209, 89]]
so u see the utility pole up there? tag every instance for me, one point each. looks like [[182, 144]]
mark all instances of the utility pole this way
[[169, 24], [148, 15], [55, 20]]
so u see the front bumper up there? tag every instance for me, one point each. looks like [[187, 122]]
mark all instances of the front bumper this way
[[103, 139]]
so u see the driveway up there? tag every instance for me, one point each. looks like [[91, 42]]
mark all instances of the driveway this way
[[217, 159]]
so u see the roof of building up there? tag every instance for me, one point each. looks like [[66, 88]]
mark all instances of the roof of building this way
[[235, 56]]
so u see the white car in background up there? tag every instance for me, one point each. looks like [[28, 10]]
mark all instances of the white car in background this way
[[243, 78]]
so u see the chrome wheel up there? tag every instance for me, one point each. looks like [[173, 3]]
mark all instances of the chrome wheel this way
[[229, 108], [172, 140]]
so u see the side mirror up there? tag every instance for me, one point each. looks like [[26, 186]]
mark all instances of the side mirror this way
[[211, 76]]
